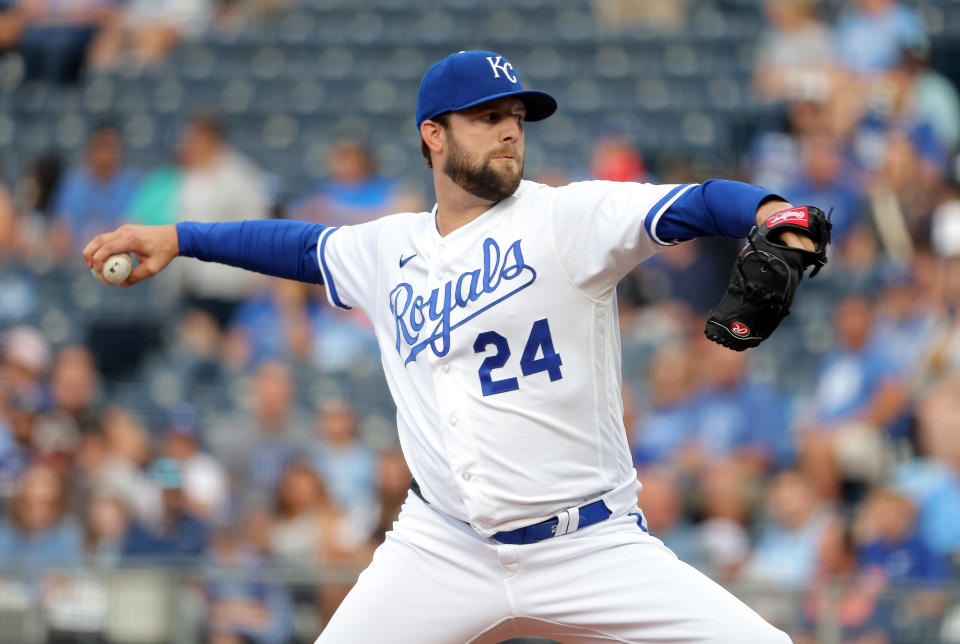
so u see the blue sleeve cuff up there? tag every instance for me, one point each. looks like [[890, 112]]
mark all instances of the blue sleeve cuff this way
[[325, 270], [278, 247], [714, 208]]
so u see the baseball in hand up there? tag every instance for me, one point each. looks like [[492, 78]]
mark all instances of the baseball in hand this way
[[115, 270]]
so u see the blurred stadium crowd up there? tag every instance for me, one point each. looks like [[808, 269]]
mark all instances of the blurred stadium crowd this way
[[235, 428]]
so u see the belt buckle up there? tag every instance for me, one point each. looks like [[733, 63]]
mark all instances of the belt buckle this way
[[567, 521]]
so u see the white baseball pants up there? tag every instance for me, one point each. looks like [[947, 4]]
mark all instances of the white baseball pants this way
[[436, 581]]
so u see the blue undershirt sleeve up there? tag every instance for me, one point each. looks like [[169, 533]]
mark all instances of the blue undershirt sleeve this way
[[715, 207], [278, 247]]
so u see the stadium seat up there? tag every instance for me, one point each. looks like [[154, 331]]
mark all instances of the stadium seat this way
[[71, 131]]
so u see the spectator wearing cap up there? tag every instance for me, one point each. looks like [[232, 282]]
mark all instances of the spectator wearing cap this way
[[178, 537], [345, 463], [205, 484], [94, 197], [38, 535]]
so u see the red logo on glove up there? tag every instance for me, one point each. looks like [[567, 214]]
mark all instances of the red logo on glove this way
[[739, 329], [795, 216]]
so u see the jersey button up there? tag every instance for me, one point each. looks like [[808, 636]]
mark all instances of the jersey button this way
[[453, 419], [466, 476], [446, 368]]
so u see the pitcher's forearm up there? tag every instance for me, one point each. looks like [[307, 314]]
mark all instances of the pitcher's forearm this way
[[278, 247]]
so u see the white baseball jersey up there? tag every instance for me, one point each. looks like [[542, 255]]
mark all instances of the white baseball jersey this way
[[501, 345]]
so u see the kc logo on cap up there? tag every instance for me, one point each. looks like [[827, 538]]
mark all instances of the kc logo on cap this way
[[464, 79], [501, 67]]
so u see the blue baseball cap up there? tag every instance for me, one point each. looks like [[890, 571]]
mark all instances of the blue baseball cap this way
[[469, 78]]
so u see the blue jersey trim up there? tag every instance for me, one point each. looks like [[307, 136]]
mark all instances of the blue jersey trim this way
[[650, 223], [715, 207], [327, 277]]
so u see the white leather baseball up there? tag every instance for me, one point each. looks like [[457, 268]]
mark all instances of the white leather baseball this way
[[116, 269]]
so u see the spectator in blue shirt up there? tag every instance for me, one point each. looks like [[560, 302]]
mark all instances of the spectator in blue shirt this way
[[242, 607], [786, 553], [870, 35], [353, 192], [346, 464], [37, 536], [53, 36], [890, 545], [932, 479], [858, 400], [180, 537], [907, 319], [94, 198], [278, 323], [855, 382], [840, 593], [827, 177], [736, 417], [664, 425], [892, 553]]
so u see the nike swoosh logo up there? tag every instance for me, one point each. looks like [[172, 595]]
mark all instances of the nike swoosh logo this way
[[404, 260]]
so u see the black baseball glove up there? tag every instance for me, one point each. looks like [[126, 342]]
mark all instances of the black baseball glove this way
[[765, 278]]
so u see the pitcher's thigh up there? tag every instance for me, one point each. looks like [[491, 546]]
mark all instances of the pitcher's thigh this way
[[639, 591], [420, 593]]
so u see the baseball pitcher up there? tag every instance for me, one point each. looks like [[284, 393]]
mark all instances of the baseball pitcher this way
[[497, 323]]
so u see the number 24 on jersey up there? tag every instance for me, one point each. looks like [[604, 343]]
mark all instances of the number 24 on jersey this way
[[538, 341]]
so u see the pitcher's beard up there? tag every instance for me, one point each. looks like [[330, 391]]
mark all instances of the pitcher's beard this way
[[483, 181]]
